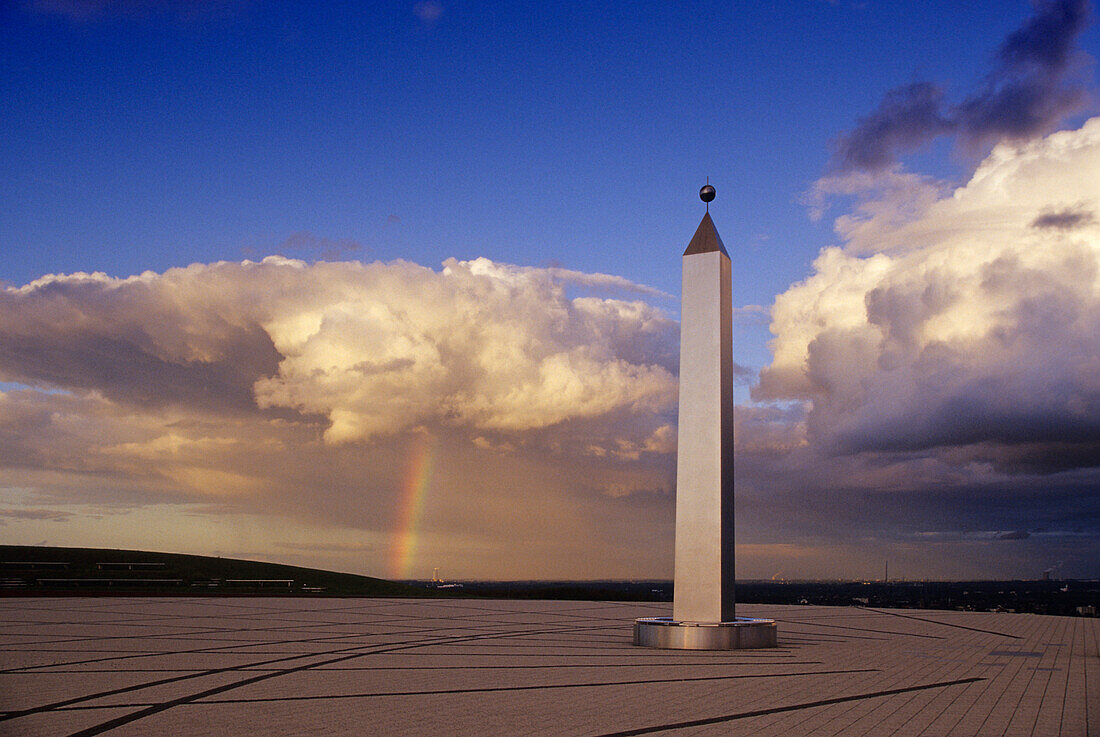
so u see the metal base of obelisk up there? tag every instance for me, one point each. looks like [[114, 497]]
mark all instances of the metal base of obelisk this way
[[742, 633]]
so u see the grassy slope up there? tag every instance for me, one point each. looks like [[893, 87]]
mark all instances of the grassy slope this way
[[191, 568]]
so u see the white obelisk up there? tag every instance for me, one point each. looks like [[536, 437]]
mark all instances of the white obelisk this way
[[704, 456], [703, 603]]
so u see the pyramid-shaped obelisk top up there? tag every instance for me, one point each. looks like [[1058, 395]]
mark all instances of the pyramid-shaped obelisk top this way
[[706, 239]]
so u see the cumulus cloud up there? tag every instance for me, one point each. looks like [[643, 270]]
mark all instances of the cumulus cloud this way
[[374, 348], [1033, 85], [969, 321], [478, 344], [934, 382], [291, 397]]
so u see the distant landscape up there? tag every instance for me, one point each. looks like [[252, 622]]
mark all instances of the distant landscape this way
[[32, 570], [58, 571], [1064, 597]]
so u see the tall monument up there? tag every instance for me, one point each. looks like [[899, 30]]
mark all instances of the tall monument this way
[[703, 615]]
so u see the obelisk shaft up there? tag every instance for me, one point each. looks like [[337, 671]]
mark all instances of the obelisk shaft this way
[[704, 569]]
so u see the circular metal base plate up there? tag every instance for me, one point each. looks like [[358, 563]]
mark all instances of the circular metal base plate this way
[[742, 633]]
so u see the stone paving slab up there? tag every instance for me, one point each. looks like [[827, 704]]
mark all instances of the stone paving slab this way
[[272, 666]]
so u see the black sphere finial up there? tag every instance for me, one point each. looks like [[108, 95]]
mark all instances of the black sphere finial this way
[[706, 194]]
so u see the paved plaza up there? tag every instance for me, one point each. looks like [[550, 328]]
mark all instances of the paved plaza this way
[[291, 666]]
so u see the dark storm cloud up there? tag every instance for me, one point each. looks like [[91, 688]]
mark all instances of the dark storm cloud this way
[[907, 118], [1028, 92], [801, 495], [1067, 219], [1046, 40], [137, 344], [1011, 438], [1020, 389], [126, 371]]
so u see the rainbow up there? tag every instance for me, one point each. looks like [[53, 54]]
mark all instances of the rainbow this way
[[414, 490]]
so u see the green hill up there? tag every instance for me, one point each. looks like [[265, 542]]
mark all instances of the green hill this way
[[27, 570]]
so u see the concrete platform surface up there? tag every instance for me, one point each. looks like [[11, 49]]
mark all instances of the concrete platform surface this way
[[269, 666]]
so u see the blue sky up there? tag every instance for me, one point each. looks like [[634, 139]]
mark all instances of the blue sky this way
[[529, 133], [145, 135]]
